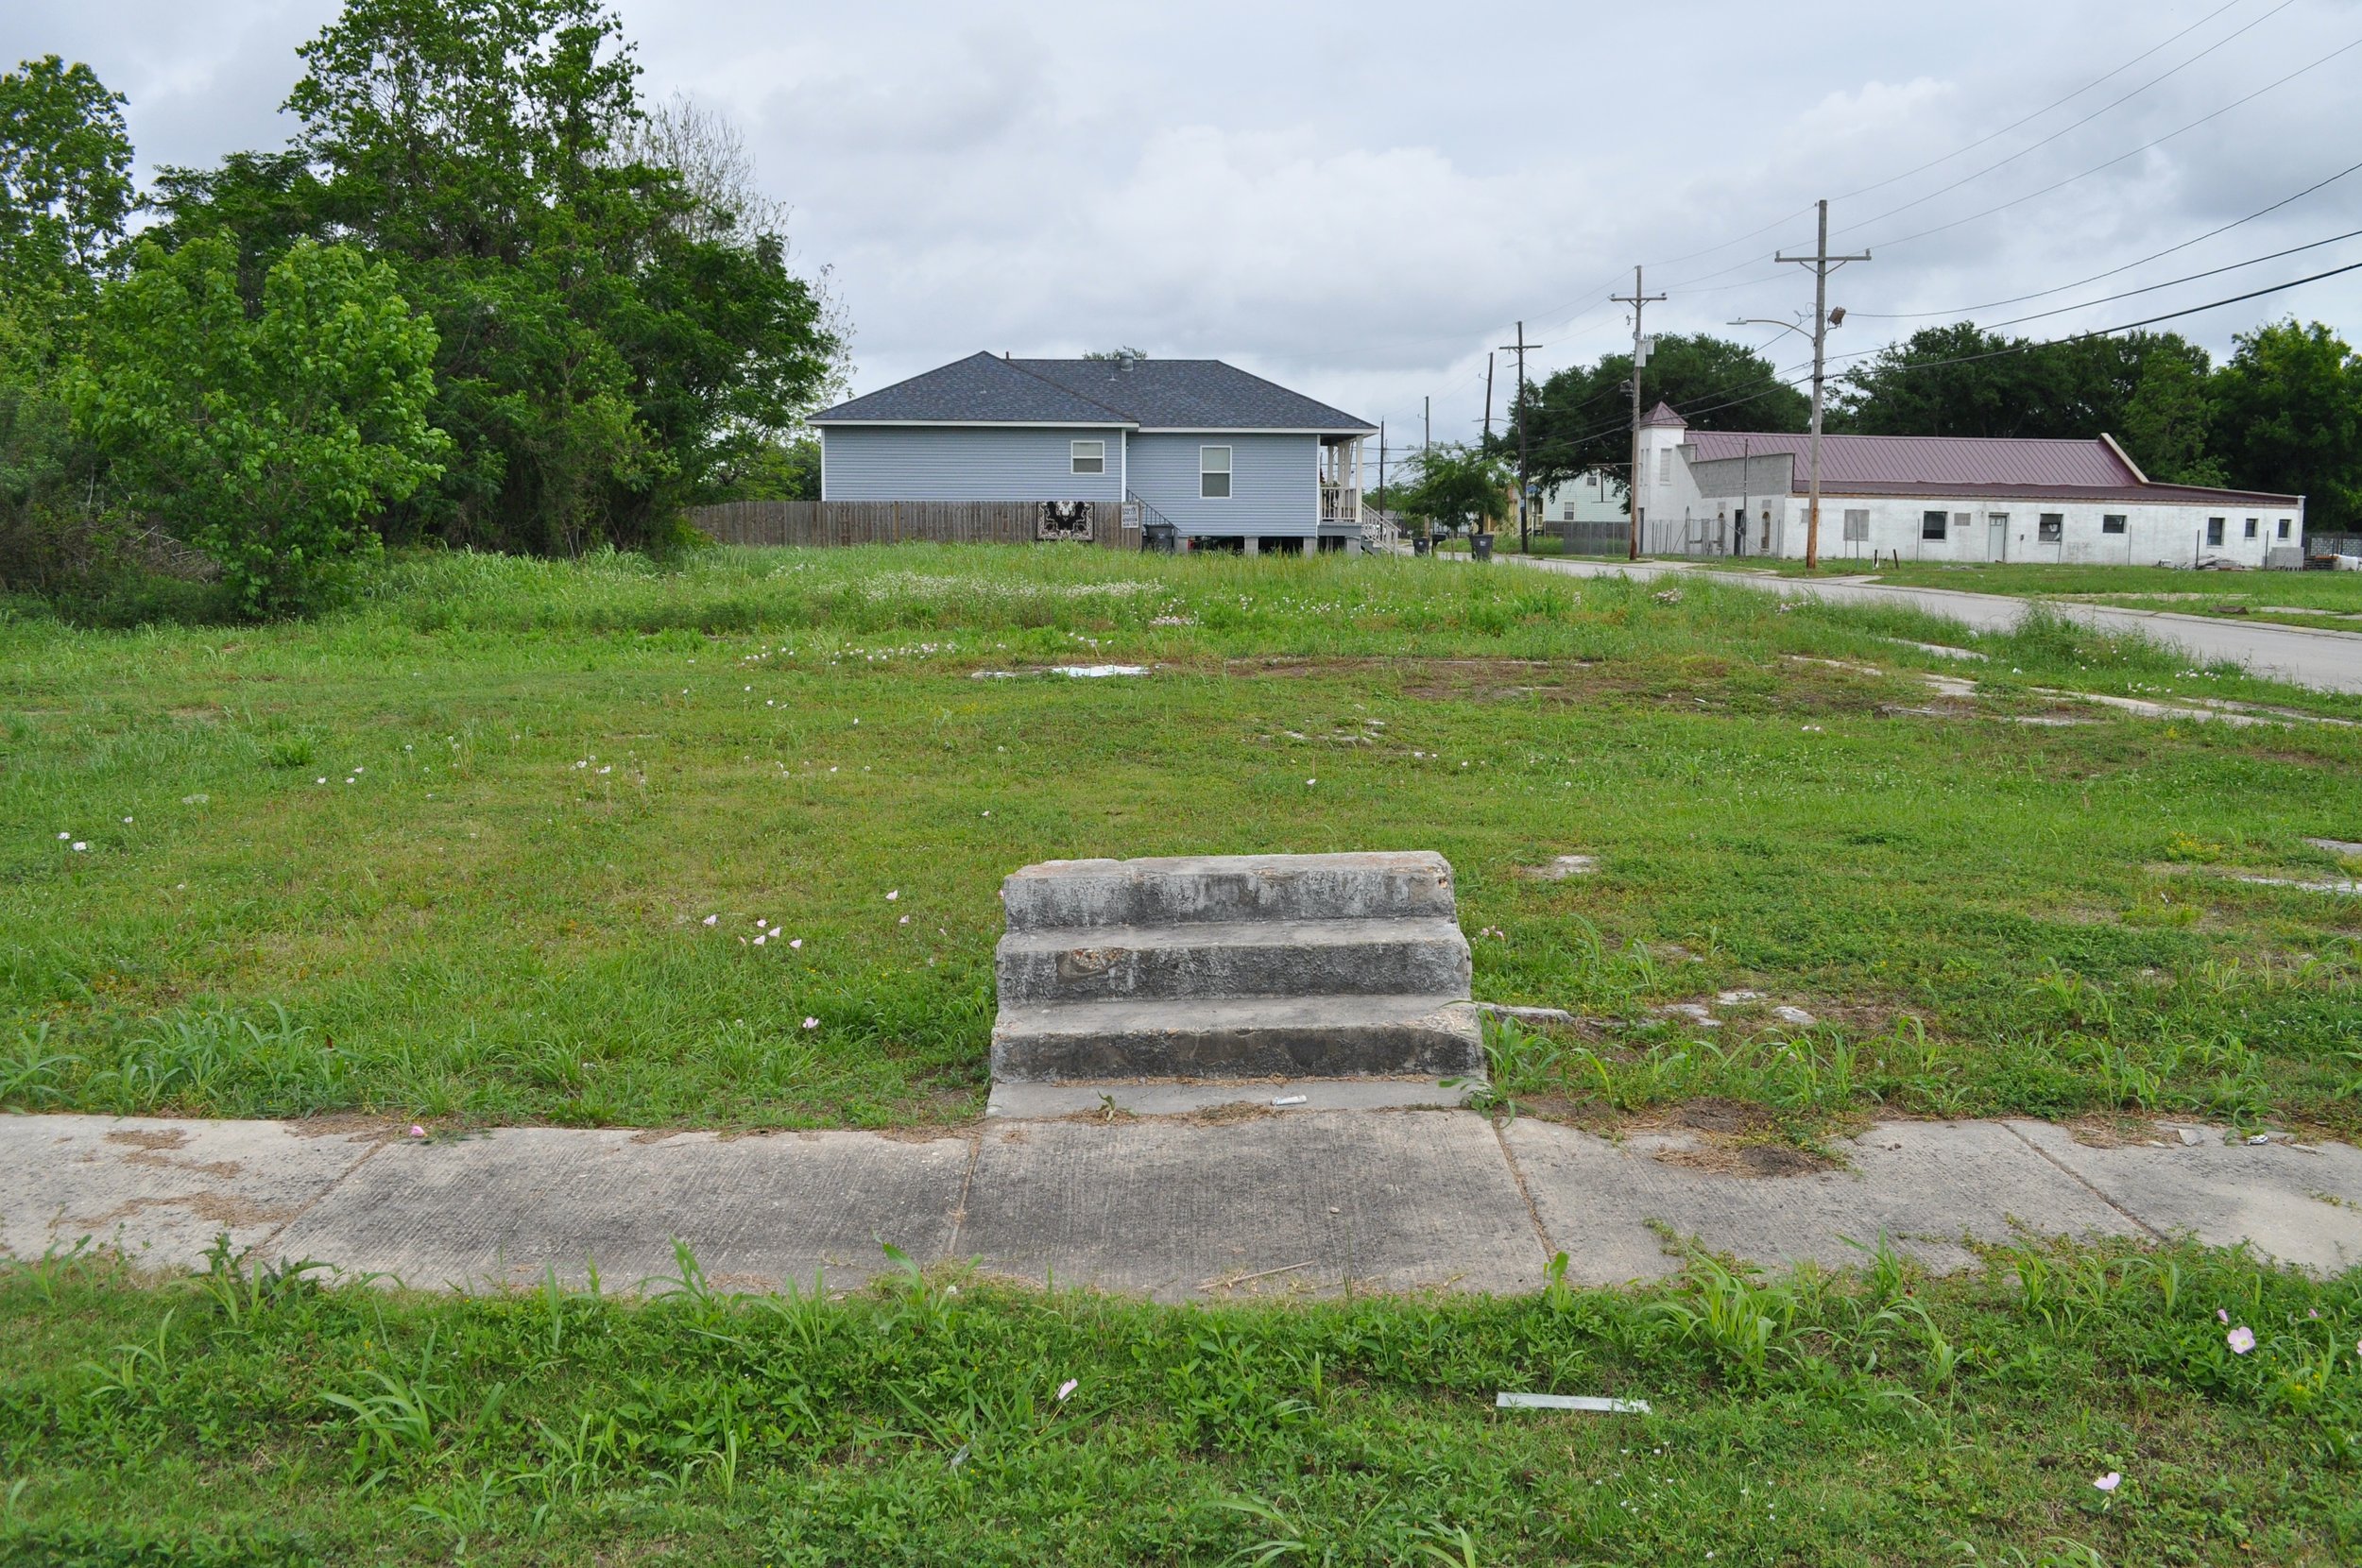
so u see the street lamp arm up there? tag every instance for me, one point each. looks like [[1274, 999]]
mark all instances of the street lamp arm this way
[[1761, 321]]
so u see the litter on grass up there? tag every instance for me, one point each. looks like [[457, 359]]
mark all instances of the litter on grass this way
[[1290, 1100], [1571, 1402], [1078, 671]]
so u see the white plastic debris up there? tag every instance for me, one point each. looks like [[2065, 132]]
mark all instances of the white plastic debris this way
[[2259, 1138], [1289, 1099], [1571, 1402]]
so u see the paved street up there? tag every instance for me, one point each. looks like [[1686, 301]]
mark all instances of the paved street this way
[[1252, 1202], [2327, 660]]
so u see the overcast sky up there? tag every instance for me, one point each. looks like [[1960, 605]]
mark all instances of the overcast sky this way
[[1359, 201]]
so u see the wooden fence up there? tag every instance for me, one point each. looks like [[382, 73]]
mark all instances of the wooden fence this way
[[834, 522]]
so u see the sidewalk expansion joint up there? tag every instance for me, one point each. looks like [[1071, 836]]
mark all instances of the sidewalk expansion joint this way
[[260, 1247], [968, 1180], [2079, 1178], [1532, 1212]]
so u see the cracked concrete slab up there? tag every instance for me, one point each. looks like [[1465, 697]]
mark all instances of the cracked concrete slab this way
[[493, 1210], [1922, 1185], [2300, 1203], [157, 1190], [1288, 1204]]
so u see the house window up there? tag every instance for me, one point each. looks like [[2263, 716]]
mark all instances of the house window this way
[[2050, 527], [2214, 530], [1213, 473], [2251, 523], [1089, 456], [2112, 523], [1665, 467], [1932, 524], [2284, 528], [1857, 525], [1571, 512]]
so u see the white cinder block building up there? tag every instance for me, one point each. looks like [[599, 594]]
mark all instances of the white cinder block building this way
[[1940, 498]]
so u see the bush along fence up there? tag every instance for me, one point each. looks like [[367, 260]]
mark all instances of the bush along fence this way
[[833, 522]]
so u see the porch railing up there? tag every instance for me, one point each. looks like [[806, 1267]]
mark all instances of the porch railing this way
[[1340, 503]]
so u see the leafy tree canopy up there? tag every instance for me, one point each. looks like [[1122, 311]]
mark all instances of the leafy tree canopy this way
[[65, 192], [2288, 417], [1454, 485], [269, 440]]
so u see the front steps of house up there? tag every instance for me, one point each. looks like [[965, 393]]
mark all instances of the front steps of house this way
[[1291, 966]]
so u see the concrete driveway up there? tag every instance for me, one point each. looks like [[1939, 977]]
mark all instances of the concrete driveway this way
[[2326, 661]]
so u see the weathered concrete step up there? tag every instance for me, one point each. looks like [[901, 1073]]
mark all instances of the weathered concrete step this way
[[1235, 958], [1237, 1037], [1385, 885]]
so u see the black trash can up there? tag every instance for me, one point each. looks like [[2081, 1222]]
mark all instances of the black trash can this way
[[1419, 544], [1479, 547], [1157, 539]]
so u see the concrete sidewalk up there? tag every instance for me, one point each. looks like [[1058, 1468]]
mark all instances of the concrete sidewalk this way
[[1272, 1203], [2324, 660]]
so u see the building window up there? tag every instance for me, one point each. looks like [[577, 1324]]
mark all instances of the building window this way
[[1213, 473], [1857, 525], [2250, 526], [2284, 528], [1571, 512], [2112, 523], [2214, 530], [2050, 527], [1665, 467], [1932, 524], [1089, 456]]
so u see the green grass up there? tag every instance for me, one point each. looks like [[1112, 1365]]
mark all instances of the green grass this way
[[544, 778], [1869, 1417], [2329, 599]]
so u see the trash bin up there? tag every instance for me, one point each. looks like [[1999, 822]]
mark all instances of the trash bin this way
[[1158, 537], [1420, 544], [1479, 547]]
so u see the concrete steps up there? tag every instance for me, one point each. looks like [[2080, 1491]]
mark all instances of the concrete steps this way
[[1234, 966]]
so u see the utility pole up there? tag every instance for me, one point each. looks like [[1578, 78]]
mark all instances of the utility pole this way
[[1524, 546], [1820, 262], [1638, 298], [1488, 400], [1427, 443]]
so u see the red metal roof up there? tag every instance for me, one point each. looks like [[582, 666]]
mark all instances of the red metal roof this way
[[1931, 459], [1663, 415], [1985, 465]]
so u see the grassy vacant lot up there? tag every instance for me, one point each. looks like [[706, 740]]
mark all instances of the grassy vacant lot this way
[[2331, 599], [1875, 1417], [506, 840]]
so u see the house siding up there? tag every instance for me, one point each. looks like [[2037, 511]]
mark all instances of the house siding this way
[[954, 463], [1274, 483]]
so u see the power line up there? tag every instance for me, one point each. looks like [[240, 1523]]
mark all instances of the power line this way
[[1865, 189], [2087, 119], [2151, 288], [2158, 255], [1941, 227]]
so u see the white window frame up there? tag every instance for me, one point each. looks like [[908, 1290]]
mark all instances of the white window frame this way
[[1664, 464], [2284, 526], [2050, 528], [2114, 523], [2217, 530], [1206, 471], [1096, 455], [1941, 521], [1856, 525], [2254, 528]]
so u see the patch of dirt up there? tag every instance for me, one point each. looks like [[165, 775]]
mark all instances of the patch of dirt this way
[[1716, 1114], [1223, 1116], [341, 1124], [927, 1133], [1747, 1159], [155, 1142], [1560, 867], [153, 1145], [214, 1208], [2118, 1131]]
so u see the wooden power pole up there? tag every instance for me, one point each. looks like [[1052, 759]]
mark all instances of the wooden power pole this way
[[1638, 299], [1524, 546], [1820, 262]]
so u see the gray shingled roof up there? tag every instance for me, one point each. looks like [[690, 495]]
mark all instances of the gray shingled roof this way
[[1151, 394]]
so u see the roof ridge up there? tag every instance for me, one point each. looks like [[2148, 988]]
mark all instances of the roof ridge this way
[[1125, 416]]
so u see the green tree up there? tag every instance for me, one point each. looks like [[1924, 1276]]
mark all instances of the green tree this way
[[1960, 380], [268, 439], [2289, 418], [65, 191], [2169, 417], [1581, 415], [1455, 486]]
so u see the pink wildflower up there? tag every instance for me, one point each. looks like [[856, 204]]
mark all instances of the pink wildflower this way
[[2240, 1339]]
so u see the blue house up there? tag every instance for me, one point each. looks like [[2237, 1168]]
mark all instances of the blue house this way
[[1220, 458]]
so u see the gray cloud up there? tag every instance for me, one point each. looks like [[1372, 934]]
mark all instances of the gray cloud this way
[[1361, 200]]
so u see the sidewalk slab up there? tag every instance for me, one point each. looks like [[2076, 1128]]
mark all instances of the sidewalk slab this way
[[492, 1211], [158, 1190], [1183, 1210], [1924, 1185], [1170, 1097], [2300, 1203]]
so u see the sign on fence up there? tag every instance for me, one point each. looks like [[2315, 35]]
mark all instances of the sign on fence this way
[[831, 522]]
